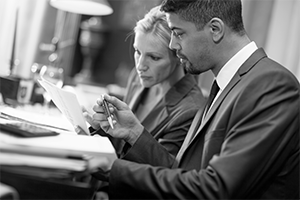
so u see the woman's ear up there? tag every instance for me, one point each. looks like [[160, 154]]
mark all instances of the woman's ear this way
[[217, 29]]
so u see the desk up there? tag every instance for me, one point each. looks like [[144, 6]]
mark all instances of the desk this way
[[29, 179]]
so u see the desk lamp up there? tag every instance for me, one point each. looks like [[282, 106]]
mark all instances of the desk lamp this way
[[85, 7]]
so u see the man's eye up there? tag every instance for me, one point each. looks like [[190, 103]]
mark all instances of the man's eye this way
[[178, 35]]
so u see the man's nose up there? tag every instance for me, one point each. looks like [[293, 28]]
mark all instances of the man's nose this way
[[174, 45]]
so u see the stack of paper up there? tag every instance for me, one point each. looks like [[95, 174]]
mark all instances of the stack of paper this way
[[55, 156], [57, 123], [49, 162], [62, 145]]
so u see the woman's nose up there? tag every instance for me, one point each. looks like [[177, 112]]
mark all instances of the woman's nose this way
[[141, 64]]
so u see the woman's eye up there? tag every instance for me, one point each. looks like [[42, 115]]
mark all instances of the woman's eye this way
[[155, 58], [137, 52]]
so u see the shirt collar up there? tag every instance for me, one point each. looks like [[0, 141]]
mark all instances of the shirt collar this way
[[232, 66]]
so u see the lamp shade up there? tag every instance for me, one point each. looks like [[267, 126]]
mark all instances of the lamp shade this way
[[85, 7]]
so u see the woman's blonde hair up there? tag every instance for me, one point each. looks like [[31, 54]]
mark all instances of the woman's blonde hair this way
[[155, 22]]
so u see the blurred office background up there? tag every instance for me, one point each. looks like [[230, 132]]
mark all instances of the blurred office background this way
[[97, 50]]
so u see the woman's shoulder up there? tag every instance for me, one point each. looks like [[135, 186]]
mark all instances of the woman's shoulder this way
[[186, 92]]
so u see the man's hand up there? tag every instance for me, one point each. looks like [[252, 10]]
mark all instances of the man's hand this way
[[100, 168], [126, 125]]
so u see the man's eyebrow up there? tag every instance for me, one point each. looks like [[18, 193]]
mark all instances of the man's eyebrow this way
[[171, 26], [174, 28]]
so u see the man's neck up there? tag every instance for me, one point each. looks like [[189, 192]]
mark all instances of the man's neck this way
[[228, 49]]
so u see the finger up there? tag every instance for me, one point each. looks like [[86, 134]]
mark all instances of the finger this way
[[99, 163], [98, 108], [117, 103], [105, 126], [99, 117], [90, 120], [83, 109], [99, 101], [79, 130]]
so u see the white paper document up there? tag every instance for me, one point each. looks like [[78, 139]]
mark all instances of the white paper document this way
[[63, 145], [57, 122], [67, 103], [63, 151]]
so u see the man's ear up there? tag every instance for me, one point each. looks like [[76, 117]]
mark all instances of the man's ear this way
[[217, 29]]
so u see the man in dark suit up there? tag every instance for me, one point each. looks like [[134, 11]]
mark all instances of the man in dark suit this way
[[245, 145]]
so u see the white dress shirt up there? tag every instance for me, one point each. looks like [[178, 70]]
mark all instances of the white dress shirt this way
[[232, 66]]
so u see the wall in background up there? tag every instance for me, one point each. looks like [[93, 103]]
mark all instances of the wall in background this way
[[274, 25], [115, 59], [35, 26]]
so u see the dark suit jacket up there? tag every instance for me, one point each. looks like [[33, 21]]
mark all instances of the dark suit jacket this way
[[246, 148], [169, 120]]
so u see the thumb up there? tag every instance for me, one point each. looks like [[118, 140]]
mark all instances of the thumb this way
[[83, 109]]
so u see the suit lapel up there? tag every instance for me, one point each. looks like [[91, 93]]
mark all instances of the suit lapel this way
[[189, 136], [252, 60], [246, 66], [156, 117], [154, 121], [136, 98], [214, 107]]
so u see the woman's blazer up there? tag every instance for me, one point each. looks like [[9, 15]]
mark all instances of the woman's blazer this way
[[170, 119]]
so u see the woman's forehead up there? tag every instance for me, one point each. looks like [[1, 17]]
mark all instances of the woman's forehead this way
[[149, 41]]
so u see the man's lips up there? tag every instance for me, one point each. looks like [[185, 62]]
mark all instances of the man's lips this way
[[181, 57]]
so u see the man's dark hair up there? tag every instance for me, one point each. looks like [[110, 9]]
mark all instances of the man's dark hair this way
[[200, 12]]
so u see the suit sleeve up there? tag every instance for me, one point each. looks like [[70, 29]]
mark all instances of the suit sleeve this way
[[168, 144], [144, 149]]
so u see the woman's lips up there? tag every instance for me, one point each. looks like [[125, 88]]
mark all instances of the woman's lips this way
[[144, 77]]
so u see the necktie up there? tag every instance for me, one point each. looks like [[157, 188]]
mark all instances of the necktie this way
[[213, 92]]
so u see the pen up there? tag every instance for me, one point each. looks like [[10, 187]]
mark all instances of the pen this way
[[107, 112]]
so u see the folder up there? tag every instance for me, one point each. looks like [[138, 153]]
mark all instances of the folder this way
[[63, 145], [47, 162]]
